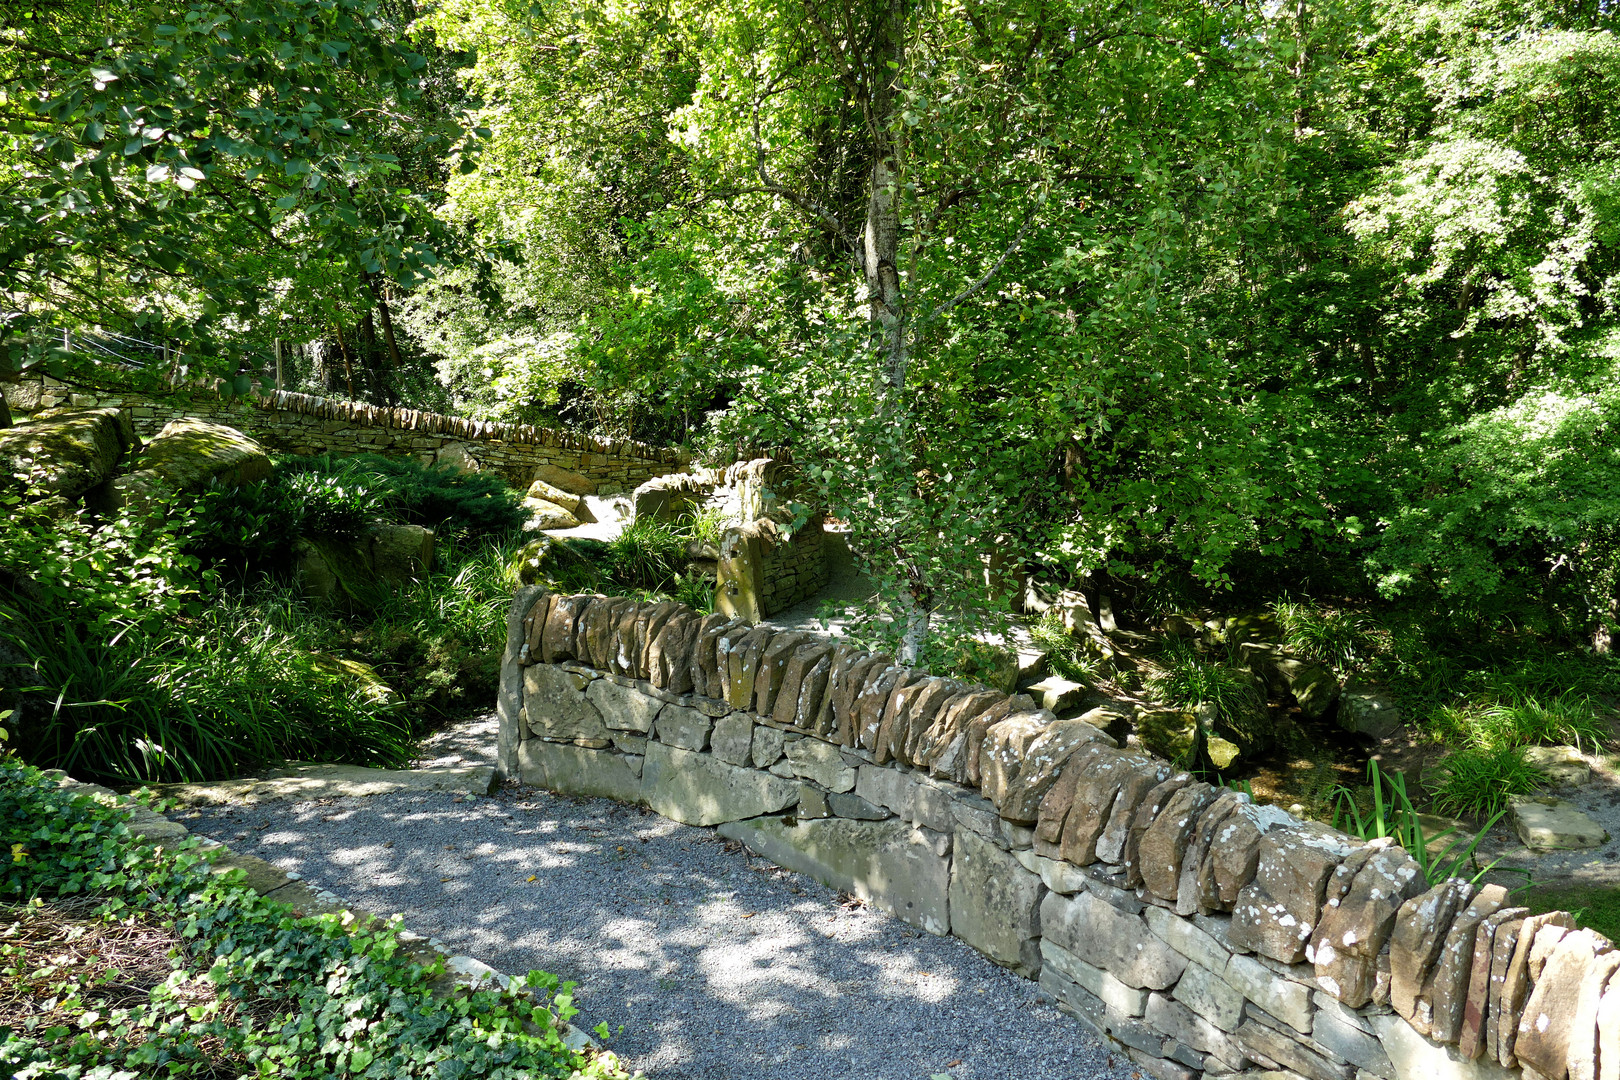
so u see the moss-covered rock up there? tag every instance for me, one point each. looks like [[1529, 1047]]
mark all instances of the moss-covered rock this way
[[190, 454], [66, 452]]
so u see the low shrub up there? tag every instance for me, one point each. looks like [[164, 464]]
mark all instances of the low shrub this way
[[436, 496], [1186, 680], [648, 554], [1337, 638], [237, 984], [1476, 782]]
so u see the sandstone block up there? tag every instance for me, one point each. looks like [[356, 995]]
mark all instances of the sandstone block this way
[[1187, 939], [562, 618], [1547, 1029], [1482, 1013], [1267, 1043], [966, 770], [1121, 813], [575, 770], [1414, 1057], [1109, 991], [772, 663], [1439, 1008], [944, 746], [556, 705], [1277, 913], [768, 746], [1095, 788], [995, 904], [1164, 843], [1195, 890], [1548, 824], [703, 665], [1285, 999], [1182, 1024], [683, 727], [1043, 762], [1111, 940], [1348, 1042], [804, 679], [820, 762], [845, 694], [1152, 805], [695, 789], [1543, 931], [1420, 931], [1210, 996], [849, 805], [1002, 755], [1352, 933], [1234, 853], [1583, 1037], [744, 662], [624, 708], [887, 863], [732, 738]]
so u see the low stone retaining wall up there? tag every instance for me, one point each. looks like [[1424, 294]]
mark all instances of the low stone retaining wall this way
[[301, 424], [1192, 929]]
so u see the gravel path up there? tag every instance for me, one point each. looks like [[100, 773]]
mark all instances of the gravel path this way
[[718, 965]]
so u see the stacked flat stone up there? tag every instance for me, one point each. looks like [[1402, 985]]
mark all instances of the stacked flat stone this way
[[303, 424], [1194, 930]]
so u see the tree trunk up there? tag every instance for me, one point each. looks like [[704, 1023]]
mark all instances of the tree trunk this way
[[393, 365], [348, 370], [5, 411], [880, 258]]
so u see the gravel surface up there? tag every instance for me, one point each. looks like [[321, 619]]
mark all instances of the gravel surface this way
[[717, 964]]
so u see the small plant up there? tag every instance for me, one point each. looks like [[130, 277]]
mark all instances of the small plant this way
[[1064, 653], [1393, 816], [695, 591], [709, 524], [1477, 781], [1337, 638], [648, 554], [1186, 681], [1528, 719]]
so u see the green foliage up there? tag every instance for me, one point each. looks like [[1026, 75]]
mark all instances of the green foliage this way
[[1594, 906], [220, 694], [648, 554], [437, 496], [1392, 815], [251, 981], [1186, 680], [1477, 781], [254, 141], [1064, 653], [1333, 637]]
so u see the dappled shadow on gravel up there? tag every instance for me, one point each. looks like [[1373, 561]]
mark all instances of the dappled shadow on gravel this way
[[717, 964]]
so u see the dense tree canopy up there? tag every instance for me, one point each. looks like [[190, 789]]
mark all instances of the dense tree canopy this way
[[1173, 289]]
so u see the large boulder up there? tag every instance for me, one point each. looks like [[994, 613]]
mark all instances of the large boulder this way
[[572, 482], [559, 559], [191, 454], [66, 452], [366, 570], [1367, 710], [542, 516]]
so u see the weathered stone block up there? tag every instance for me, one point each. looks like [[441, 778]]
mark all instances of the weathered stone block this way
[[1420, 931], [1277, 913], [682, 727], [1414, 1057], [821, 762], [849, 805], [1210, 996], [1107, 938], [1109, 991], [1164, 843], [768, 743], [1003, 753], [574, 770], [695, 789], [1188, 940], [1287, 1000], [623, 707], [1265, 1042], [556, 705], [1185, 1026], [1353, 931], [1060, 745], [1348, 1042], [886, 863], [893, 788], [732, 738], [995, 904]]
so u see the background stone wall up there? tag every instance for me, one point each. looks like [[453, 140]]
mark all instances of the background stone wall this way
[[1193, 930], [301, 424]]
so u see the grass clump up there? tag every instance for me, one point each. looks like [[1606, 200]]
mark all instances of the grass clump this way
[[1186, 680], [1337, 638], [1475, 781], [217, 980]]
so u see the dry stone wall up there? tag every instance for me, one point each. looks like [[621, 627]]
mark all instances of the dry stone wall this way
[[1194, 930], [301, 424], [762, 571]]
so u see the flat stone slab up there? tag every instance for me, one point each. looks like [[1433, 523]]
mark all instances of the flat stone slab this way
[[304, 782], [1564, 765], [1547, 824]]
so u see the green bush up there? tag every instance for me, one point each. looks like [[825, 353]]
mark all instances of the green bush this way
[[1333, 637], [1188, 681], [254, 988], [436, 496], [1477, 782], [648, 554]]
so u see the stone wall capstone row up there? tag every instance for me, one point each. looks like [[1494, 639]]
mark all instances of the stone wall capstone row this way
[[301, 424], [1190, 928]]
